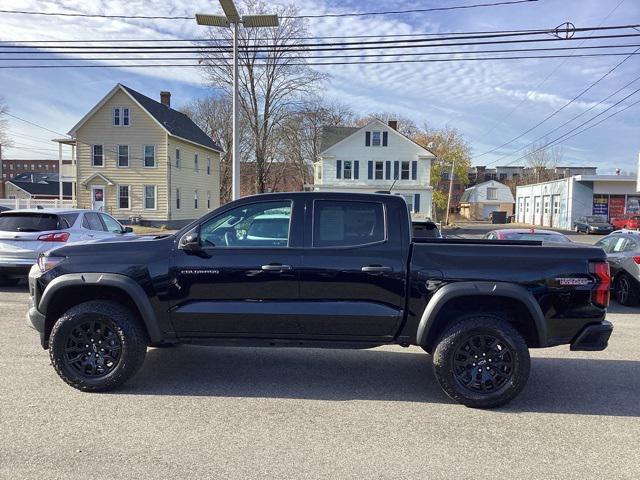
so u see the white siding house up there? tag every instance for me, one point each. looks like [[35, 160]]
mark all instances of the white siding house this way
[[479, 201], [374, 158]]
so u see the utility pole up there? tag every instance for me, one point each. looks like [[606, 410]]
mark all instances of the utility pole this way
[[232, 19], [453, 165]]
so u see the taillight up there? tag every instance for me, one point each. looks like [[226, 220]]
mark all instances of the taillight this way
[[637, 259], [54, 237], [601, 292]]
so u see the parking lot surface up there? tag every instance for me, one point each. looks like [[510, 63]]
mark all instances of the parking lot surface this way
[[201, 412]]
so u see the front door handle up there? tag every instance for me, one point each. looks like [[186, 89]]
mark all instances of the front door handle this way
[[376, 269], [271, 267]]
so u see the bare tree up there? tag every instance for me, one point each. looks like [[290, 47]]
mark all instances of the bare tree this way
[[273, 77], [213, 115], [301, 133], [406, 125], [4, 124], [542, 161]]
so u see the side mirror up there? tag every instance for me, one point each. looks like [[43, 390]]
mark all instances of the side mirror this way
[[191, 242], [127, 230]]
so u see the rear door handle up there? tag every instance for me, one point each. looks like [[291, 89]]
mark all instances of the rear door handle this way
[[376, 269], [275, 267]]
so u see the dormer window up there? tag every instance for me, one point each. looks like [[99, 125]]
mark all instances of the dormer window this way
[[121, 117], [376, 139]]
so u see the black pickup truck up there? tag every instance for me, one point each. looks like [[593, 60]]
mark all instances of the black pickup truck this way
[[319, 270]]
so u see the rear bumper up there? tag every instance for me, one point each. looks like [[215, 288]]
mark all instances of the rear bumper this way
[[594, 337], [16, 266]]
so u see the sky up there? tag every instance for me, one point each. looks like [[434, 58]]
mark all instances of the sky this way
[[473, 97]]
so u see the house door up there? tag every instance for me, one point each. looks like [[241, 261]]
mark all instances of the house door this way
[[97, 198]]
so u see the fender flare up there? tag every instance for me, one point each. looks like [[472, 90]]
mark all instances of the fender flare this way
[[122, 282], [487, 289]]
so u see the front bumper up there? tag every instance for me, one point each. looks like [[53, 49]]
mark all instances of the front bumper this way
[[36, 320], [594, 337]]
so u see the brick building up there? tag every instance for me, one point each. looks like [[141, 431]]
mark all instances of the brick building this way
[[9, 168]]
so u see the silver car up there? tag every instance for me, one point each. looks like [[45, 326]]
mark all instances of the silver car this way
[[623, 254], [24, 234]]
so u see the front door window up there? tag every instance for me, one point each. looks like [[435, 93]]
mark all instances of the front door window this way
[[97, 198]]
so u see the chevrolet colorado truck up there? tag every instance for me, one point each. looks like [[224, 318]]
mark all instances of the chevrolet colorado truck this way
[[333, 270]]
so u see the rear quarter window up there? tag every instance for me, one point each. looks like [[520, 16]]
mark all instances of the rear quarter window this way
[[30, 222], [347, 224]]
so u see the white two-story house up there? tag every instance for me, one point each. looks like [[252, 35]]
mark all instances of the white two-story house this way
[[375, 158]]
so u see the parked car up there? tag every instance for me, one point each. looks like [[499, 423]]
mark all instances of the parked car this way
[[4, 209], [593, 224], [24, 234], [425, 229], [547, 236], [348, 275], [626, 222], [623, 254]]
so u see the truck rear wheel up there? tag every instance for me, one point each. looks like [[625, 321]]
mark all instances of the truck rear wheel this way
[[97, 346], [481, 361]]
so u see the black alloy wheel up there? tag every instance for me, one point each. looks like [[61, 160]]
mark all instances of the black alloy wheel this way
[[93, 348], [482, 364]]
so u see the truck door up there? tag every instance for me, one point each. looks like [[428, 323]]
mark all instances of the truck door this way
[[242, 278], [354, 266]]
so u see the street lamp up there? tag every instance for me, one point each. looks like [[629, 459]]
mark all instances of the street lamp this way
[[232, 19]]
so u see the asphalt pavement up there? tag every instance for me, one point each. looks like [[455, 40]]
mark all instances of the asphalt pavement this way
[[243, 413]]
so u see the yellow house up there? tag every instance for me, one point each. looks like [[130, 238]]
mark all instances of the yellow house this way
[[139, 159]]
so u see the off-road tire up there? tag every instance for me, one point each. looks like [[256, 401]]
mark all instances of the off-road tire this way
[[128, 330], [455, 337]]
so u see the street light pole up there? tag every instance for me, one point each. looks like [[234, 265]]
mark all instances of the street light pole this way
[[453, 165], [232, 19]]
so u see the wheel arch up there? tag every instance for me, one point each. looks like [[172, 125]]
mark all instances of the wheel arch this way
[[69, 290], [515, 303]]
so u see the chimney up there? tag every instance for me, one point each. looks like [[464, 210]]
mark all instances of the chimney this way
[[393, 124], [165, 98]]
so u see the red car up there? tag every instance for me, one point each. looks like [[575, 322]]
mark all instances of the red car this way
[[548, 236], [629, 222]]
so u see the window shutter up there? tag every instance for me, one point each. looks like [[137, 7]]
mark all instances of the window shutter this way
[[396, 170], [414, 170], [338, 168], [367, 139], [370, 170], [388, 170], [416, 203], [385, 138], [356, 169]]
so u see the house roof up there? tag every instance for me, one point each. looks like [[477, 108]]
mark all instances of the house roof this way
[[332, 135], [175, 123], [468, 192], [335, 135], [43, 188]]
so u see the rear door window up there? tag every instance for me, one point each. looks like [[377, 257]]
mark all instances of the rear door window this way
[[91, 221], [29, 222], [347, 224]]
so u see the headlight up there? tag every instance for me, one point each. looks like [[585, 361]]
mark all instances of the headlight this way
[[46, 262]]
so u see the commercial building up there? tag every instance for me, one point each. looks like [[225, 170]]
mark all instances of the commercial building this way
[[558, 203], [479, 201]]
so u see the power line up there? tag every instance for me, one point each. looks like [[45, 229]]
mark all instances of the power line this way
[[285, 48], [326, 15], [377, 62], [544, 80], [357, 55], [555, 112]]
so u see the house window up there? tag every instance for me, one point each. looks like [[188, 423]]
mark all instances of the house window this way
[[379, 172], [376, 139], [347, 170], [195, 199], [33, 167], [98, 156], [208, 165], [11, 166], [149, 156], [195, 162], [150, 197], [177, 199], [208, 200], [116, 117], [123, 155], [404, 172], [177, 158], [125, 117], [503, 177], [124, 199], [492, 193]]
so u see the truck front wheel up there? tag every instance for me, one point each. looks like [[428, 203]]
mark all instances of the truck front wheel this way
[[97, 346], [481, 361]]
